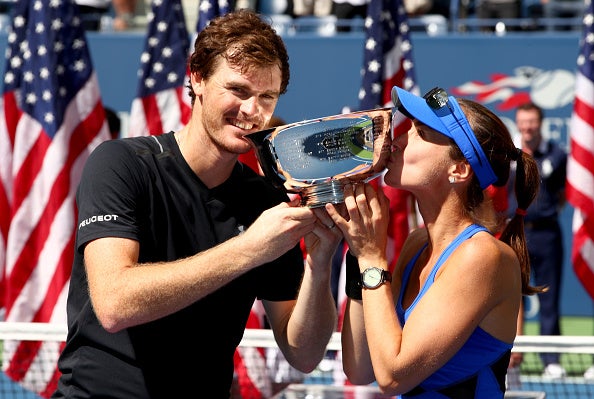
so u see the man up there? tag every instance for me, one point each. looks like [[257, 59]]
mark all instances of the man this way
[[176, 239], [543, 232]]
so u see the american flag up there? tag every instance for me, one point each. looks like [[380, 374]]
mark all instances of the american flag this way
[[387, 63], [162, 103], [580, 165], [209, 9], [52, 118], [387, 58]]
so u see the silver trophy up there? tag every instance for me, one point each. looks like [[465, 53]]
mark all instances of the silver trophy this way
[[316, 158]]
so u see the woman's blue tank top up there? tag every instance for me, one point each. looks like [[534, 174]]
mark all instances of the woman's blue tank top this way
[[478, 369]]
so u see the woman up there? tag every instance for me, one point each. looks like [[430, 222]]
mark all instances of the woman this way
[[445, 325]]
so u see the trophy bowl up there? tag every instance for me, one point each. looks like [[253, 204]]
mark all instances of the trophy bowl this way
[[316, 158]]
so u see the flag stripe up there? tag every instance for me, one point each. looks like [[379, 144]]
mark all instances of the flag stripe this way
[[154, 123], [580, 164], [583, 112], [7, 129], [581, 181], [29, 169], [582, 253], [11, 118], [170, 106], [583, 89], [395, 80]]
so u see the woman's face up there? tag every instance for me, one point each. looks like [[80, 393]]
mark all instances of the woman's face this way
[[419, 158]]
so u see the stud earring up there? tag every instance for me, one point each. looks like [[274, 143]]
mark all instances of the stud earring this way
[[452, 179]]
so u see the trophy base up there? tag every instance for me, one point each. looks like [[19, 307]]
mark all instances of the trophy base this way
[[323, 193], [330, 192]]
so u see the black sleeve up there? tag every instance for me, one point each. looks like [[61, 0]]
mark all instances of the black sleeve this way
[[108, 193]]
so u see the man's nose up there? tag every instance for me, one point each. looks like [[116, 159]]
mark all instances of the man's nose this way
[[250, 105]]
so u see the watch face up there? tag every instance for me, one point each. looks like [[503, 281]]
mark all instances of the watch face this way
[[372, 277]]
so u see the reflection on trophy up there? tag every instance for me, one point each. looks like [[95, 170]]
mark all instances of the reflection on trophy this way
[[316, 158]]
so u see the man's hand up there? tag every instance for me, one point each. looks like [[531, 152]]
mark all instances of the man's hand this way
[[322, 242], [279, 229]]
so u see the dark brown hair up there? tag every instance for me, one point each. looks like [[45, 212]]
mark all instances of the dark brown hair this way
[[497, 143], [245, 41]]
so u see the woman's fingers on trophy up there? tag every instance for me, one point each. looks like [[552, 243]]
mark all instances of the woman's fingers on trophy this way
[[363, 192], [373, 197], [383, 199], [350, 201]]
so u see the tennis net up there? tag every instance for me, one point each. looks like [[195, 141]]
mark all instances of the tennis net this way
[[259, 350]]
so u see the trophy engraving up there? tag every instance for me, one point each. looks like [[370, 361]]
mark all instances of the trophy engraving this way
[[316, 158]]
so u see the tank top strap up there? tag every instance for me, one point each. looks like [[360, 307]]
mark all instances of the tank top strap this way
[[405, 277], [463, 236]]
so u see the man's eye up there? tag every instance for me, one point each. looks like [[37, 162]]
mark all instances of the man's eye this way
[[237, 90]]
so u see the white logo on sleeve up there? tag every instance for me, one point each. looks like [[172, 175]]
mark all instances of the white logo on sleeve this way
[[97, 218]]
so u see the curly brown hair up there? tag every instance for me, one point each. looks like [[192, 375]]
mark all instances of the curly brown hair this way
[[245, 40]]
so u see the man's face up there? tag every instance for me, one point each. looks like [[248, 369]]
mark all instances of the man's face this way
[[234, 103], [529, 125]]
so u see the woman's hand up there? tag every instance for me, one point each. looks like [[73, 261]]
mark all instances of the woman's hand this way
[[365, 225]]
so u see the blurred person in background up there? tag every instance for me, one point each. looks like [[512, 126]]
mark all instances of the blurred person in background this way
[[543, 231], [176, 239]]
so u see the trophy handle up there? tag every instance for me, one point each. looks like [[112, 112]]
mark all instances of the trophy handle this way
[[266, 156]]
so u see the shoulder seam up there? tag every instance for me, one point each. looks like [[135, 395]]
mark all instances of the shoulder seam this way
[[158, 143]]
